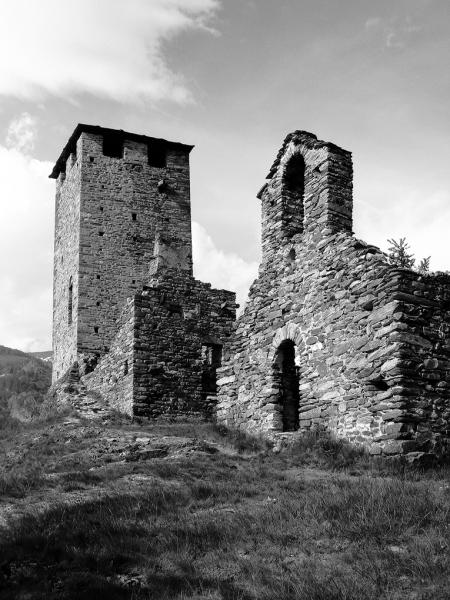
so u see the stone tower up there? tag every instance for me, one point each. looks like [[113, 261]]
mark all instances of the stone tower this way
[[122, 212]]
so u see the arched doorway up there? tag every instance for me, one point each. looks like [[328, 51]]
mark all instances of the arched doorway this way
[[286, 372]]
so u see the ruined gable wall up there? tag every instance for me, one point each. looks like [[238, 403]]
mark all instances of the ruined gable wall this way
[[116, 248], [365, 333], [173, 320], [65, 268], [339, 302]]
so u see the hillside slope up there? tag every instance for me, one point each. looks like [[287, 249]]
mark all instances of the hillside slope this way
[[24, 380], [182, 512], [46, 355]]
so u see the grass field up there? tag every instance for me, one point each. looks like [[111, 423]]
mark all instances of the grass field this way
[[182, 511]]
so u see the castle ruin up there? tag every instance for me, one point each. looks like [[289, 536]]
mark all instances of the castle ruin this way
[[332, 336], [127, 311]]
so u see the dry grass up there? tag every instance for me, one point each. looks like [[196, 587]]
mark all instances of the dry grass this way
[[241, 524]]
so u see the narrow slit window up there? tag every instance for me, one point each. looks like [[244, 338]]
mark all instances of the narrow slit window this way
[[96, 329], [70, 303], [134, 216], [212, 360], [212, 355]]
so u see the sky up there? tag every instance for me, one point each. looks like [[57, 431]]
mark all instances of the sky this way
[[232, 77]]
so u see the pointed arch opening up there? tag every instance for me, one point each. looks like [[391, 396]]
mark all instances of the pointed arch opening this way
[[287, 378]]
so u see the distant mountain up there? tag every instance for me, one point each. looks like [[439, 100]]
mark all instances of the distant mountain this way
[[47, 355], [24, 380]]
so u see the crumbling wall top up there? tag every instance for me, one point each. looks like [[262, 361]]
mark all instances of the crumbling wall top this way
[[308, 140]]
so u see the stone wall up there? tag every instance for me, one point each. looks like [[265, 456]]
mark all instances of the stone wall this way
[[168, 345], [65, 267], [424, 336], [112, 377], [180, 329], [369, 342]]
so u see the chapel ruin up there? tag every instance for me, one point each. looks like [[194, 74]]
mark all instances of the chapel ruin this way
[[332, 336]]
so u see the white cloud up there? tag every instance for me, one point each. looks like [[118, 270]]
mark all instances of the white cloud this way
[[396, 32], [223, 270], [372, 22], [26, 249], [22, 133], [110, 48]]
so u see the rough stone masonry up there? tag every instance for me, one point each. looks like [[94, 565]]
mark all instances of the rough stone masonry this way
[[129, 319], [332, 336]]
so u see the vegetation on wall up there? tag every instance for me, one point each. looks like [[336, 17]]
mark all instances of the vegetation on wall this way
[[399, 255]]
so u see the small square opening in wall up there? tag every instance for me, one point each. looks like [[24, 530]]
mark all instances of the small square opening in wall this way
[[91, 159], [134, 216], [98, 303], [133, 281], [113, 145], [101, 233], [98, 276], [157, 156], [96, 329]]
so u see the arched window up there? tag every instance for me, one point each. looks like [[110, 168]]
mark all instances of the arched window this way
[[286, 374], [293, 195], [70, 303], [294, 175]]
